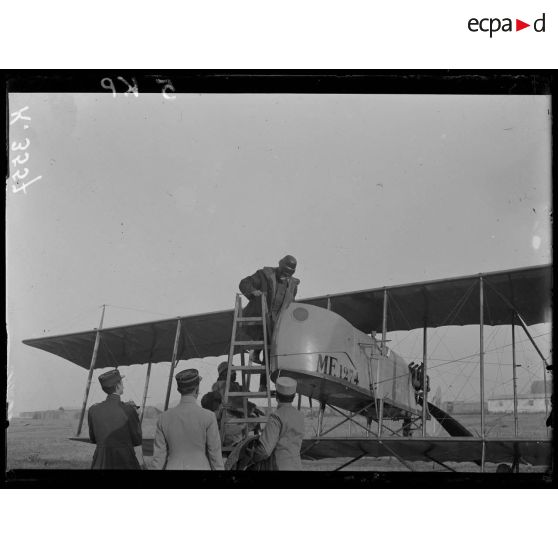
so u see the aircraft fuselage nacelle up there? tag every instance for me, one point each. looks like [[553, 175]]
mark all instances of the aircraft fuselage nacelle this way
[[334, 362]]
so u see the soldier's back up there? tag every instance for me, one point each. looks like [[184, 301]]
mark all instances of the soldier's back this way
[[287, 450], [109, 419], [185, 428], [116, 431]]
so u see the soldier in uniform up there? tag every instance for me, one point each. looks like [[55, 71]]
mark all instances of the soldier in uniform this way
[[219, 385], [212, 401], [114, 426], [233, 433], [187, 436], [283, 433], [279, 287]]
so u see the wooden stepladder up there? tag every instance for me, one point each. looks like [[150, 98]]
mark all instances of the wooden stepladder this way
[[246, 369]]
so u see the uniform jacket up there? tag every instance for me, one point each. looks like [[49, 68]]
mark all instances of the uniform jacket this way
[[187, 437], [282, 437], [234, 432], [235, 402], [115, 428], [265, 280], [219, 387]]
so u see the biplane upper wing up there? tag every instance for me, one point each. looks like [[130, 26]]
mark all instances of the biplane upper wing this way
[[448, 301], [201, 336], [444, 302]]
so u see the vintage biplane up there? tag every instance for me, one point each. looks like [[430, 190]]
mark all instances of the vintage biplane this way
[[337, 349]]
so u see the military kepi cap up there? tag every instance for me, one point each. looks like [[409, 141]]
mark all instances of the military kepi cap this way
[[110, 378], [285, 386], [188, 378]]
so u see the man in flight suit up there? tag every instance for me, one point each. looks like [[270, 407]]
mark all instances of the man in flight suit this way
[[284, 430], [187, 436], [279, 287], [114, 426], [276, 283]]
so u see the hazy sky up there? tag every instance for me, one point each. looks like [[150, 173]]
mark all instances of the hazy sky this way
[[162, 206]]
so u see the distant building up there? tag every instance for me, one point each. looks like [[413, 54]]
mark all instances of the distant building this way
[[528, 403], [74, 414], [538, 387], [51, 414], [464, 407]]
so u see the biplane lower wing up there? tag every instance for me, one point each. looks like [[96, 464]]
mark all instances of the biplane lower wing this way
[[443, 450]]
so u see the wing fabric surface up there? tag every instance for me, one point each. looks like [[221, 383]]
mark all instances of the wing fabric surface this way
[[445, 450], [448, 301], [436, 303], [200, 336]]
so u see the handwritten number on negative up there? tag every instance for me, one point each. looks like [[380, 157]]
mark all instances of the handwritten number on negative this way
[[18, 161], [19, 115], [107, 83], [131, 88], [17, 174], [168, 86], [25, 185], [19, 147]]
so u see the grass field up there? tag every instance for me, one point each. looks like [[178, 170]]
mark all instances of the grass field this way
[[40, 444]]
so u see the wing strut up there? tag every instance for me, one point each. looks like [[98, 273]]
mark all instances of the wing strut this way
[[146, 387], [481, 364], [514, 371], [91, 368], [173, 362], [425, 364], [526, 330], [350, 417], [521, 321]]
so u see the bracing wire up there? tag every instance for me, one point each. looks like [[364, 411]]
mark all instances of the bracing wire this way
[[460, 373], [454, 312], [458, 306], [67, 323], [139, 310], [106, 346], [498, 373], [192, 342], [490, 351], [444, 361], [447, 349], [391, 298]]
